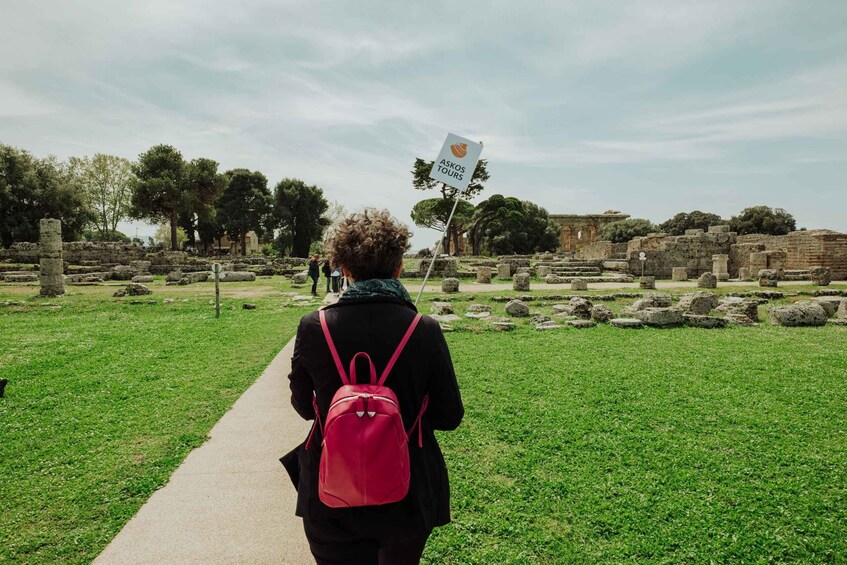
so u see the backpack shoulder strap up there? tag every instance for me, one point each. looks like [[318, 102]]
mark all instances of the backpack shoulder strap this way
[[399, 349], [332, 349]]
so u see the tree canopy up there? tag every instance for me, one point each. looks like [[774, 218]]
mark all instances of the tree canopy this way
[[158, 194], [517, 226], [300, 211], [107, 180], [32, 189], [624, 230], [690, 221], [245, 205], [763, 219]]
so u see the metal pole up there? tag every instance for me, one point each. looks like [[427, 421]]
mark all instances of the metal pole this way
[[438, 247], [217, 270]]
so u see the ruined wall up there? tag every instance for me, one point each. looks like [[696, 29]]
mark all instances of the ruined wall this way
[[603, 250], [806, 249], [577, 231], [693, 251]]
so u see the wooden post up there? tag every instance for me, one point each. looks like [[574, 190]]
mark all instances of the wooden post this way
[[216, 269]]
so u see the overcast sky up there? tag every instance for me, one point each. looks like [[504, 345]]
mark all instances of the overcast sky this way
[[649, 108]]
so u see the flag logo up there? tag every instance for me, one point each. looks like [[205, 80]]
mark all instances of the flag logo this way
[[459, 150]]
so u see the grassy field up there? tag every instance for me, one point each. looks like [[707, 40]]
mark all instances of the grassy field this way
[[106, 398], [607, 445], [676, 445]]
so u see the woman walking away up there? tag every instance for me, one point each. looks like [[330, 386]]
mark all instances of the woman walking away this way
[[371, 480], [336, 280], [327, 271], [314, 273]]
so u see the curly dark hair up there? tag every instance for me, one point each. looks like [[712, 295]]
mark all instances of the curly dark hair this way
[[369, 244]]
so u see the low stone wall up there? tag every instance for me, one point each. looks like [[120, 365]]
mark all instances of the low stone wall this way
[[806, 249], [693, 251], [602, 250]]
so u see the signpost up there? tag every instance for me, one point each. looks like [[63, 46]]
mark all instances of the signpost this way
[[454, 167], [643, 258], [216, 271]]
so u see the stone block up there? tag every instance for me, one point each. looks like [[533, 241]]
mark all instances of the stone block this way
[[693, 232], [647, 282], [441, 308], [718, 229], [142, 279], [699, 303], [660, 317], [829, 303], [579, 284], [626, 323], [801, 313], [483, 275], [238, 276], [450, 284], [707, 280], [580, 324], [504, 271], [601, 313], [820, 276], [679, 274], [520, 281], [543, 270], [744, 274], [517, 309], [768, 278]]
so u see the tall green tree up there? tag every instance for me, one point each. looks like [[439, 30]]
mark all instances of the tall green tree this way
[[522, 227], [433, 213], [421, 181], [763, 219], [32, 189], [690, 221], [158, 194], [244, 205], [203, 186], [300, 211], [486, 212], [107, 180]]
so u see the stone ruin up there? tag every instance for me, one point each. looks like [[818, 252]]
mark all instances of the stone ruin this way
[[50, 261]]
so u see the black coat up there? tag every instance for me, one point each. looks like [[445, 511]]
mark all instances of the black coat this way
[[375, 326]]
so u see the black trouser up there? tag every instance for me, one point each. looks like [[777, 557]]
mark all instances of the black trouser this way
[[314, 284], [335, 281], [355, 542], [328, 278]]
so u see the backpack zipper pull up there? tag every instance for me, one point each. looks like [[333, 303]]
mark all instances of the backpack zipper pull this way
[[360, 406], [371, 413]]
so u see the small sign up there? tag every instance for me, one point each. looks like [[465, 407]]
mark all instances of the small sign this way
[[456, 162], [642, 256], [216, 268]]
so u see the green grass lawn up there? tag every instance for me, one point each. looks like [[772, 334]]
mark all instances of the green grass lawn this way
[[106, 399], [609, 445], [675, 445]]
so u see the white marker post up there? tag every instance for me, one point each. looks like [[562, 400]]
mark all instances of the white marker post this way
[[454, 166], [643, 258]]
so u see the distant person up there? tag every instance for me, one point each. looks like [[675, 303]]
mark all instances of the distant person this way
[[327, 271], [340, 494], [336, 279], [314, 273]]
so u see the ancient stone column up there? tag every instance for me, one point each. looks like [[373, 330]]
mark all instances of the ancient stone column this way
[[504, 271], [483, 275], [679, 274], [647, 282], [744, 274], [719, 267], [521, 281], [50, 255], [768, 278], [758, 261]]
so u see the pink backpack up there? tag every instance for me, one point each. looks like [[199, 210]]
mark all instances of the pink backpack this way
[[365, 457]]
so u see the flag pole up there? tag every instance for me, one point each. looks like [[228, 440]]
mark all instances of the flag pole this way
[[438, 247]]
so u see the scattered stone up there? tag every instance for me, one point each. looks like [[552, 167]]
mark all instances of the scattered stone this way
[[300, 278], [168, 301], [446, 328], [647, 282], [700, 303], [137, 289], [701, 321], [503, 326], [124, 273], [582, 323], [25, 278], [579, 284], [829, 303], [517, 308], [120, 293], [543, 270], [842, 308], [504, 271], [735, 311], [137, 302], [450, 284], [578, 307], [248, 306], [837, 321], [174, 276], [302, 298], [707, 280], [520, 282], [601, 313], [660, 317], [441, 308], [679, 274], [548, 325], [483, 275], [651, 300], [554, 279], [744, 274], [445, 317], [478, 311], [739, 319], [539, 319], [801, 313], [238, 276], [626, 323], [820, 276], [768, 278]]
